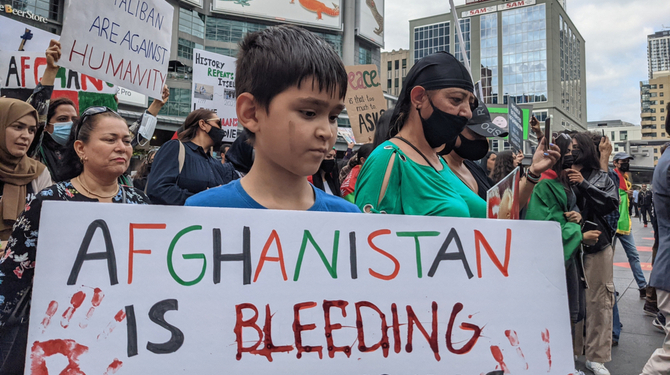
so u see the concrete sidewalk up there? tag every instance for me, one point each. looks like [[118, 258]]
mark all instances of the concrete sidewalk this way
[[638, 337]]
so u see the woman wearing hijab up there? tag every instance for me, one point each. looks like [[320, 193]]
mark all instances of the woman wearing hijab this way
[[405, 175], [20, 176]]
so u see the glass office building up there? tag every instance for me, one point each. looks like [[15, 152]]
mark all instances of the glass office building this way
[[529, 51]]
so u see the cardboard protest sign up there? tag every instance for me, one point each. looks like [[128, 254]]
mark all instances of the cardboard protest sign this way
[[502, 200], [158, 289], [19, 36], [515, 125], [365, 100], [214, 88], [124, 42]]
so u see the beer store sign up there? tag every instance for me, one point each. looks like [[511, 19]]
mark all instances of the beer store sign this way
[[24, 13]]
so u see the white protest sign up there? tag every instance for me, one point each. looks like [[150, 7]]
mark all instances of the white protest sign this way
[[24, 70], [19, 36], [214, 88], [158, 289], [125, 42]]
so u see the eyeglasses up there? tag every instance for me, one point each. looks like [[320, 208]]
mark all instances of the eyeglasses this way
[[90, 112]]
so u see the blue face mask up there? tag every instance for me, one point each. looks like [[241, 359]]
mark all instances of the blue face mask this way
[[61, 132]]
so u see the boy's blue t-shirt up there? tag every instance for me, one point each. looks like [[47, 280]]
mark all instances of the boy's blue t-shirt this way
[[233, 195]]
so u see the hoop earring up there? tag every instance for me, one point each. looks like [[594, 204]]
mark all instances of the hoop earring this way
[[83, 159]]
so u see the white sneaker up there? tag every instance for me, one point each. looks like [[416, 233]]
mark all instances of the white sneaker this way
[[597, 368], [579, 372]]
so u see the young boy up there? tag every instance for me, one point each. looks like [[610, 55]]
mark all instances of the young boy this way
[[290, 89]]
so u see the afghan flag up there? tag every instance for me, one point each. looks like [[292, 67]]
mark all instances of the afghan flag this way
[[624, 225], [348, 186]]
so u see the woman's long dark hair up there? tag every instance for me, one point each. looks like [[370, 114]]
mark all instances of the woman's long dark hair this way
[[589, 159], [504, 165], [563, 142]]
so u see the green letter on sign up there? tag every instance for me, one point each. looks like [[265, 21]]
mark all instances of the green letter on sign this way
[[186, 256]]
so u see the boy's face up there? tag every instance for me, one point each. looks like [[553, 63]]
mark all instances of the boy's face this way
[[299, 128]]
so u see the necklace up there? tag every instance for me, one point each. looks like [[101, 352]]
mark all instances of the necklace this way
[[417, 150], [81, 182]]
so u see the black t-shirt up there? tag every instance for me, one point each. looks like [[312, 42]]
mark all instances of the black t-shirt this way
[[484, 183]]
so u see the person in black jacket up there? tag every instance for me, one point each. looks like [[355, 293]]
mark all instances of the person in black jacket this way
[[644, 200], [174, 178], [597, 196]]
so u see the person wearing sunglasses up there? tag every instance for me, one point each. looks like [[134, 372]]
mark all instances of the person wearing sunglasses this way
[[185, 166], [99, 151]]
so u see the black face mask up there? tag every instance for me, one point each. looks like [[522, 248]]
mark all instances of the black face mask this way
[[472, 149], [568, 160], [216, 135], [624, 167], [327, 165], [442, 128]]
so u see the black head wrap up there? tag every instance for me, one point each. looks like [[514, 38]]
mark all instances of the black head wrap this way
[[438, 71]]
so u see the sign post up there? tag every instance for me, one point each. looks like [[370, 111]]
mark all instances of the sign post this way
[[158, 289], [122, 42], [365, 101], [214, 88]]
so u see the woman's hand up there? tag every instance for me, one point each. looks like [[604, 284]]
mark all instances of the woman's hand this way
[[574, 176], [591, 237], [544, 159], [573, 217], [53, 54]]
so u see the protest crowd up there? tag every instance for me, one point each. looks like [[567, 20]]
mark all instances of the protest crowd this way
[[430, 157]]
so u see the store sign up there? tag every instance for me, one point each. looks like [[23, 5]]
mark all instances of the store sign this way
[[479, 11], [315, 13], [131, 97], [516, 4], [25, 14]]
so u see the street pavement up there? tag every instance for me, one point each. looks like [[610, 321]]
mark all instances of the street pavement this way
[[638, 337]]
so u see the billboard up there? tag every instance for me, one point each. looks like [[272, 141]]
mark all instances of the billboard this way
[[214, 88], [314, 13], [370, 20]]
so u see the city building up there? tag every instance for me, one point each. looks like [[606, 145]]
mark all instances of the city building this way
[[528, 50], [658, 53], [218, 26], [394, 67], [653, 101], [625, 137]]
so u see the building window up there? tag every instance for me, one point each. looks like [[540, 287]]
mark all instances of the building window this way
[[397, 82], [623, 135], [185, 48], [541, 116], [397, 64], [389, 84], [525, 54], [192, 23], [44, 8], [660, 94], [489, 57], [404, 63], [662, 109], [364, 56], [179, 103], [390, 65], [232, 52], [660, 86], [465, 30], [613, 136], [430, 39], [662, 118]]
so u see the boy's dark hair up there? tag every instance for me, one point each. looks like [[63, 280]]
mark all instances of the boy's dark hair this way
[[277, 58]]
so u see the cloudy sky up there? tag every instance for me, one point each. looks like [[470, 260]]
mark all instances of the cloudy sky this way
[[616, 46]]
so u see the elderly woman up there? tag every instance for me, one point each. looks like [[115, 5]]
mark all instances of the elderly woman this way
[[100, 150], [20, 176]]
